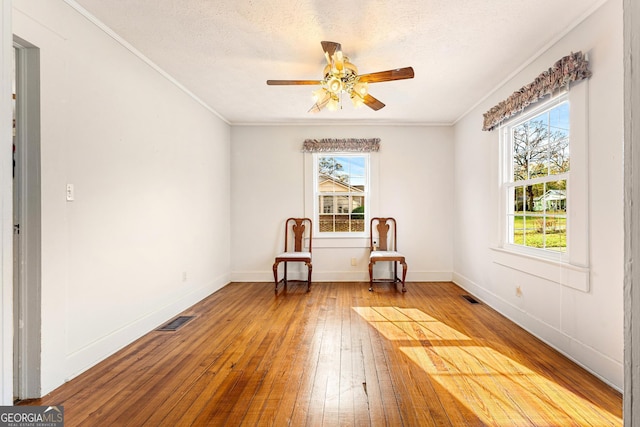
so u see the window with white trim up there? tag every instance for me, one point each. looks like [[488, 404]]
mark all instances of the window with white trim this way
[[341, 194], [544, 190], [536, 179]]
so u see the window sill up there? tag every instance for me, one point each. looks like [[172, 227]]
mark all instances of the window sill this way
[[563, 273]]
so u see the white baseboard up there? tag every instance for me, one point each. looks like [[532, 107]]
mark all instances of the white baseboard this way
[[88, 356], [600, 365], [338, 276]]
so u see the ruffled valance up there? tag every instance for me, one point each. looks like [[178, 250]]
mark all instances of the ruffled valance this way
[[573, 67], [347, 145]]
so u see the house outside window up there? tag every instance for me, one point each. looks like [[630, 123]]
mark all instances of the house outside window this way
[[341, 193], [536, 178]]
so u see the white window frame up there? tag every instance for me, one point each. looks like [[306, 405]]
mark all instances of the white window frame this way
[[508, 184], [316, 194], [570, 268]]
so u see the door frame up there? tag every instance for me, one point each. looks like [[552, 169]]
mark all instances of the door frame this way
[[27, 207]]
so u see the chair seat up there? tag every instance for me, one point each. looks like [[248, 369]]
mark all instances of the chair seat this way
[[294, 255], [385, 254]]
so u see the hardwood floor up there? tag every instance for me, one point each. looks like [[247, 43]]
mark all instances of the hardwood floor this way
[[339, 355]]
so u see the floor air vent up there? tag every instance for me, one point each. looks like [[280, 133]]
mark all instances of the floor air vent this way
[[471, 299], [175, 323]]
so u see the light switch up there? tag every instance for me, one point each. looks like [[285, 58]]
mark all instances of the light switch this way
[[70, 193]]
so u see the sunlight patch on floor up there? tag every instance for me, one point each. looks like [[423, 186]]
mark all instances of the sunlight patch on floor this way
[[494, 386]]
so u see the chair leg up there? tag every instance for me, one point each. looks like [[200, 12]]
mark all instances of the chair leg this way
[[275, 276], [396, 279], [371, 276], [285, 275], [310, 267], [404, 275]]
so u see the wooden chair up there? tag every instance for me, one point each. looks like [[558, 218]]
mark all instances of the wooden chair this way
[[295, 231], [384, 247]]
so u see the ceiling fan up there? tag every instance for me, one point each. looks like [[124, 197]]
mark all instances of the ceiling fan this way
[[341, 77]]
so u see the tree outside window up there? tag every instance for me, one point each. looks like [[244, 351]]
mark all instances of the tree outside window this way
[[537, 188]]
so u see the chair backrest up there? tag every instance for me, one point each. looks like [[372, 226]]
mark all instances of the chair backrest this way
[[384, 234], [296, 229]]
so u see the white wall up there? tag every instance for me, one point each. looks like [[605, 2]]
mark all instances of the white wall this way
[[151, 172], [586, 326], [414, 186]]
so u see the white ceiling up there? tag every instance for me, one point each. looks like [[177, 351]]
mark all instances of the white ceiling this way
[[223, 51]]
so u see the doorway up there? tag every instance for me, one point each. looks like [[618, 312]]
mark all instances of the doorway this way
[[26, 220]]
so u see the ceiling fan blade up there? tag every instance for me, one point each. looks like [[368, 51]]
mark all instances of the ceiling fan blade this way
[[330, 48], [334, 56], [293, 82], [385, 76], [372, 102]]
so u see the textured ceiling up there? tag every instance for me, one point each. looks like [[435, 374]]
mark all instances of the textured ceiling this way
[[223, 51]]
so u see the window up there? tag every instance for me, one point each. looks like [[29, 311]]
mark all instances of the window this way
[[544, 190], [536, 178], [341, 193]]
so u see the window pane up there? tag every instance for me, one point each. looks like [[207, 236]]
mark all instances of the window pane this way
[[532, 201], [330, 167], [519, 153], [531, 236], [326, 184], [357, 213], [559, 156], [325, 204], [518, 199], [354, 167], [555, 198], [538, 161], [342, 204], [535, 236], [519, 168], [559, 121], [556, 233], [357, 223], [326, 224], [342, 223], [539, 128], [357, 203], [517, 238]]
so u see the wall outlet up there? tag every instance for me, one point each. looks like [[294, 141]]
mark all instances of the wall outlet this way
[[354, 262], [71, 193], [184, 276], [518, 291]]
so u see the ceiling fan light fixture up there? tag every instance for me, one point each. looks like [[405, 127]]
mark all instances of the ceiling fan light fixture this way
[[361, 88], [333, 104], [320, 94], [357, 100], [335, 84]]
